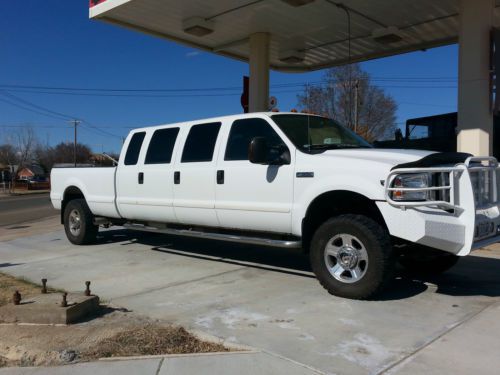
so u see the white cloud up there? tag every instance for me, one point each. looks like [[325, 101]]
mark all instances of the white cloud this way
[[192, 54]]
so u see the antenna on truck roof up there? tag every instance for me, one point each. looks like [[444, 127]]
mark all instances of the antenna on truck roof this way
[[115, 162]]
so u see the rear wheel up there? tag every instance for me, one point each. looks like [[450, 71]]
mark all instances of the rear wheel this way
[[78, 223], [425, 260], [352, 256]]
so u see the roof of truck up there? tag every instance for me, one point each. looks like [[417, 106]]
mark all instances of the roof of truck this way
[[220, 118]]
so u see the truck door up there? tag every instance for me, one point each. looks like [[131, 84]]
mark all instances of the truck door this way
[[194, 176], [127, 176], [253, 196], [155, 189]]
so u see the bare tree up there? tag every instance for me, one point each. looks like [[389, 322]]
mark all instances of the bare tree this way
[[20, 147], [19, 150], [62, 153], [7, 155], [349, 97], [24, 143]]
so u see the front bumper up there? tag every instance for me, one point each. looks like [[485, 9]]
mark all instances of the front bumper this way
[[467, 217]]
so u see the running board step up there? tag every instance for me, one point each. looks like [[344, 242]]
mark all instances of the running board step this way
[[289, 244]]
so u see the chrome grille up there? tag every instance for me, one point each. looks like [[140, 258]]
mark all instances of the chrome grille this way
[[485, 179], [443, 191]]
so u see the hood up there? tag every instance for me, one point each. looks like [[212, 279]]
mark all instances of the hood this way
[[389, 157]]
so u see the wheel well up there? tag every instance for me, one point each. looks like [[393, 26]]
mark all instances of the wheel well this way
[[71, 193], [335, 203]]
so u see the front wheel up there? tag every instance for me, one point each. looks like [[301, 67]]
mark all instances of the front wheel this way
[[78, 223], [352, 256]]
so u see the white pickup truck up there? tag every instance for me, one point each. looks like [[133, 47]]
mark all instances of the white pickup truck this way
[[294, 181]]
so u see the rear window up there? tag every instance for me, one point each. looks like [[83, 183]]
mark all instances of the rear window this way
[[161, 146], [134, 148], [200, 143]]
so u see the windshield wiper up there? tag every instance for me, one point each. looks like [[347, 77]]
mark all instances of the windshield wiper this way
[[334, 146]]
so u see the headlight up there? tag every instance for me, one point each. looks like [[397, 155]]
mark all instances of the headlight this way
[[413, 181]]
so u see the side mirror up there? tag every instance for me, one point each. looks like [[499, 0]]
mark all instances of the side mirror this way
[[284, 158], [258, 151]]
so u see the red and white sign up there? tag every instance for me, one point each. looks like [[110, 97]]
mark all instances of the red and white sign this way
[[93, 3]]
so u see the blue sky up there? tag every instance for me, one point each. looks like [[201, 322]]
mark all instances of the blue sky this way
[[53, 43]]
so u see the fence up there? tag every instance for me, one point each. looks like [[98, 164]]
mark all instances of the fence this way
[[31, 185]]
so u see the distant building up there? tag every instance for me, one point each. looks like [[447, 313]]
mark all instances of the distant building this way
[[31, 172]]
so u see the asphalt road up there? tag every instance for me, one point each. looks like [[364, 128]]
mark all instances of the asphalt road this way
[[22, 208]]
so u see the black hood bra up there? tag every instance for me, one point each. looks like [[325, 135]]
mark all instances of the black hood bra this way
[[433, 160]]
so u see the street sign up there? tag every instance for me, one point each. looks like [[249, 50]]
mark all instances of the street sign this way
[[273, 102]]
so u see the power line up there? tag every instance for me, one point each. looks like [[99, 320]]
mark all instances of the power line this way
[[137, 95], [227, 88], [428, 104], [29, 109], [88, 124], [18, 99], [37, 126], [50, 113]]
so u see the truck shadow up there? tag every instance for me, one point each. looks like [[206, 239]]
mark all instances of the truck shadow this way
[[472, 276]]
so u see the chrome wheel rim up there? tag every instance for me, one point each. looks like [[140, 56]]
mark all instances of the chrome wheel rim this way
[[74, 222], [346, 258]]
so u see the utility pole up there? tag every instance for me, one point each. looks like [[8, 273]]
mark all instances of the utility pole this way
[[75, 124], [356, 116]]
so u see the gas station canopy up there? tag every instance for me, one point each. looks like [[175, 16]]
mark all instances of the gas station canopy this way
[[304, 34]]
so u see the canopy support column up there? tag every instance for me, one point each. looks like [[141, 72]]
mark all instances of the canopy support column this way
[[259, 72], [475, 118]]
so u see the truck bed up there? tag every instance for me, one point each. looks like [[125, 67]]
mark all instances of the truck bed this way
[[96, 183]]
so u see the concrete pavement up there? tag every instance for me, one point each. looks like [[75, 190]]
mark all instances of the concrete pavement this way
[[268, 298], [245, 363], [470, 348]]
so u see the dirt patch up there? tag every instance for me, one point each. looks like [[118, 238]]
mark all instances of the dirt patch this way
[[152, 340], [114, 332], [9, 284]]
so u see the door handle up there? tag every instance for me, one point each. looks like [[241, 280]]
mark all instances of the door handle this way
[[177, 177], [220, 176], [140, 177]]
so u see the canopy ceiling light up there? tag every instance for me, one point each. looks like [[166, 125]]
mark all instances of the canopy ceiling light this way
[[292, 56], [297, 3], [198, 26], [387, 35]]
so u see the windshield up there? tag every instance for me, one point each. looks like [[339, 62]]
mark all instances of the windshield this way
[[314, 134]]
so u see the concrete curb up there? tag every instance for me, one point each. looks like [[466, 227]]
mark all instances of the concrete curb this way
[[226, 363], [167, 356], [20, 194]]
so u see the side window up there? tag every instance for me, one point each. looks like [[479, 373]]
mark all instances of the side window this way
[[200, 143], [241, 134], [161, 146], [134, 148]]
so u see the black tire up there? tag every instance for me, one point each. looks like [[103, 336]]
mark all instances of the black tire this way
[[376, 245], [87, 231], [427, 261]]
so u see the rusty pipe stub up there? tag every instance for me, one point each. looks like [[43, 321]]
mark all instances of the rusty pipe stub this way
[[44, 286], [64, 302], [16, 298]]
